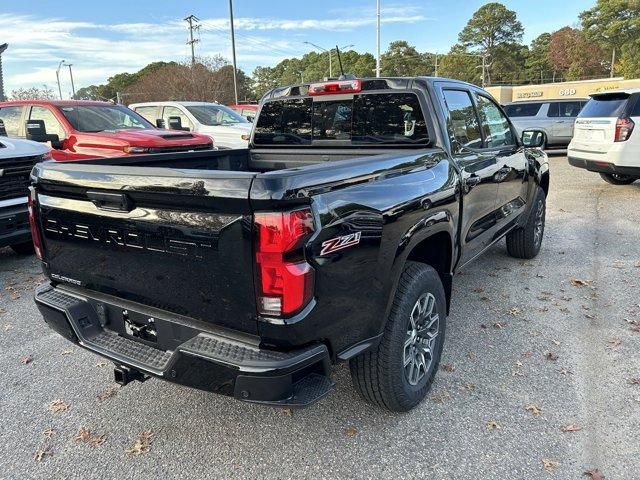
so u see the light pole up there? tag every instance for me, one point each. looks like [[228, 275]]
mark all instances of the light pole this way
[[378, 39], [233, 51], [58, 78], [73, 88], [329, 51]]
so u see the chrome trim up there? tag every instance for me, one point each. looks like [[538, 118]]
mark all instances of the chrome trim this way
[[14, 201]]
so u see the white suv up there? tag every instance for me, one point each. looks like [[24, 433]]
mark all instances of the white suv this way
[[604, 140], [227, 128]]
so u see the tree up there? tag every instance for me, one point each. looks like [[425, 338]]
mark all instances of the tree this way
[[576, 57], [615, 26], [538, 64], [33, 93], [491, 29], [460, 65], [402, 59]]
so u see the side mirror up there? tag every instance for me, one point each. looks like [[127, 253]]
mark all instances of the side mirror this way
[[37, 132], [175, 123], [3, 131], [533, 138], [160, 123]]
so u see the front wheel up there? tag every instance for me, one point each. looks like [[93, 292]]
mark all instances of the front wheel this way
[[618, 179], [525, 241], [398, 373]]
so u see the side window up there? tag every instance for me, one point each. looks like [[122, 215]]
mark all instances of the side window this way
[[636, 108], [463, 122], [51, 123], [11, 116], [248, 113], [149, 113], [553, 110], [495, 126], [176, 112], [564, 109]]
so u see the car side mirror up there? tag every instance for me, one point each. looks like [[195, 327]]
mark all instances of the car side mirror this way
[[3, 131], [160, 123], [533, 138], [175, 123], [37, 132]]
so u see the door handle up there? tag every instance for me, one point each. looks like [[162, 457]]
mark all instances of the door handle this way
[[560, 121]]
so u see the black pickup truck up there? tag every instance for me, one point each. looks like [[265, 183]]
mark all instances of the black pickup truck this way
[[334, 237]]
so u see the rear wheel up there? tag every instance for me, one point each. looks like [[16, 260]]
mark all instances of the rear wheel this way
[[525, 242], [618, 179], [25, 248], [398, 373]]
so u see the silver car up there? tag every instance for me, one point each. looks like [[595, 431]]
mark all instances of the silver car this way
[[554, 117]]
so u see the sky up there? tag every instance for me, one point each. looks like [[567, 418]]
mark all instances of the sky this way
[[104, 38]]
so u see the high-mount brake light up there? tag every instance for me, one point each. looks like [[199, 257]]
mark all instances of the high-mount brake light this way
[[284, 279], [624, 128], [35, 233], [330, 88]]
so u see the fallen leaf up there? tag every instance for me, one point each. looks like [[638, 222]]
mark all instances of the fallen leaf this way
[[556, 343], [84, 435], [441, 397], [468, 386], [534, 410], [478, 290], [58, 406], [635, 381], [102, 364], [448, 367], [551, 356], [287, 412], [594, 474], [499, 324], [108, 392], [577, 282], [565, 371], [68, 352], [516, 373], [549, 464], [27, 359], [7, 327], [49, 432], [614, 344], [142, 443], [491, 425], [570, 427], [515, 311], [43, 452], [350, 432]]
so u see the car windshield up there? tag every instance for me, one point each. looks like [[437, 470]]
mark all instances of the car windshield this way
[[98, 118], [215, 115], [607, 105]]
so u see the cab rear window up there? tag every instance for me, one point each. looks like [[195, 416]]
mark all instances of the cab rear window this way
[[372, 118], [608, 105]]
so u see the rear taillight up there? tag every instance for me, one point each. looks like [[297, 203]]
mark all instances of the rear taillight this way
[[624, 127], [35, 234], [285, 279], [328, 88]]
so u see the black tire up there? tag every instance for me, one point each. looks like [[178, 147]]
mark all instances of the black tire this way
[[25, 248], [617, 179], [380, 375], [525, 242]]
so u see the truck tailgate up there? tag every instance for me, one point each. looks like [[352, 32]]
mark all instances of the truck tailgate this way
[[178, 240]]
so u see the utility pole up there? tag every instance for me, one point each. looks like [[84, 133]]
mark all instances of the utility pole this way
[[192, 41], [613, 60], [484, 69], [233, 52], [378, 39], [73, 88], [58, 78], [435, 72], [3, 47]]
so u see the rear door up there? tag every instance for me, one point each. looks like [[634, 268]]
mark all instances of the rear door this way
[[563, 115], [595, 127], [177, 240], [478, 169]]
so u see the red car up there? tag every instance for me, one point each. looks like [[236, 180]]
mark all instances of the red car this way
[[78, 129], [247, 110]]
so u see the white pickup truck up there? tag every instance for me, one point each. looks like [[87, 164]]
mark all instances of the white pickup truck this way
[[227, 128], [17, 158]]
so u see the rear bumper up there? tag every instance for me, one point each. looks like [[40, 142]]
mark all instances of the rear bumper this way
[[602, 166], [207, 361], [14, 222]]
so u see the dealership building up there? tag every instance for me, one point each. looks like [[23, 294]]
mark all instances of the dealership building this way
[[564, 90]]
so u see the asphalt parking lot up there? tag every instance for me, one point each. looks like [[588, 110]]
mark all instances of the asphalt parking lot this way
[[532, 347]]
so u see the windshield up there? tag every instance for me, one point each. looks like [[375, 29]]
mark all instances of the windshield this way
[[97, 118], [608, 105], [215, 115], [372, 118]]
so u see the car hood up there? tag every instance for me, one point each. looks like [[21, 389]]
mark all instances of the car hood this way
[[153, 137], [13, 147]]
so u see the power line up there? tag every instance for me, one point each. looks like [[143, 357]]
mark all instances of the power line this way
[[192, 41]]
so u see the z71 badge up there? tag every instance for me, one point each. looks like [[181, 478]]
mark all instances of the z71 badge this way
[[339, 243]]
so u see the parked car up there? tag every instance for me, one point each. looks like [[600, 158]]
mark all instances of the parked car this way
[[223, 125], [335, 237], [554, 117], [247, 110], [17, 158], [604, 139], [78, 130]]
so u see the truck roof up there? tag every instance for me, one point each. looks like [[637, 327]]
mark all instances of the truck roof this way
[[57, 103], [171, 102]]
